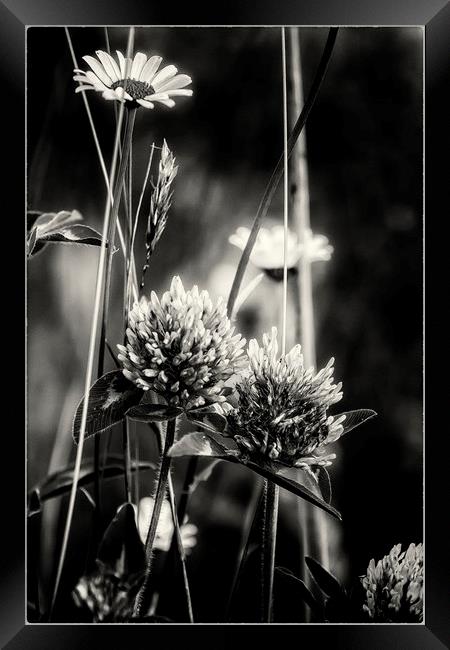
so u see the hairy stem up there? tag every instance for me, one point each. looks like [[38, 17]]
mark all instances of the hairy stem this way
[[142, 600], [269, 545]]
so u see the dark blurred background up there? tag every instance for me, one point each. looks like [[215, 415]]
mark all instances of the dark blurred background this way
[[364, 140]]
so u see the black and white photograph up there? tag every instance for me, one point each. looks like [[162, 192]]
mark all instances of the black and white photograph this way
[[224, 337]]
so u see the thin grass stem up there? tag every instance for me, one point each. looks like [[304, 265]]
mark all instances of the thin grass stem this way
[[278, 171], [100, 157], [304, 304], [272, 490], [99, 291]]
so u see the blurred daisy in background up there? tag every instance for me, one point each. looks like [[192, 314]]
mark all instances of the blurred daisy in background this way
[[136, 81], [268, 251], [165, 528]]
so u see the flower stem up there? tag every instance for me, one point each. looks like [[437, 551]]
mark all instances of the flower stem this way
[[269, 545], [99, 292], [278, 171], [271, 490], [176, 543], [142, 600], [304, 298]]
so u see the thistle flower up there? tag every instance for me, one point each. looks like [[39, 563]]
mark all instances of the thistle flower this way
[[135, 81], [281, 413], [183, 347], [165, 528], [268, 251], [160, 203], [394, 586], [107, 595]]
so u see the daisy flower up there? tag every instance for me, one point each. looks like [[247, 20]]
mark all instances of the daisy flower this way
[[394, 586], [268, 251], [138, 81]]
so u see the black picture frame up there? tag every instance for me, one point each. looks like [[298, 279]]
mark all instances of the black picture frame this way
[[15, 15]]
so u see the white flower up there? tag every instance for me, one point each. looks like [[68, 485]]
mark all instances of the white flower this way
[[184, 347], [136, 80], [268, 251], [394, 586], [282, 409], [165, 527]]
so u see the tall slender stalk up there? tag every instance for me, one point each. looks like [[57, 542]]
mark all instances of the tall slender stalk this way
[[142, 600], [100, 157], [272, 492], [278, 171], [268, 548], [89, 370], [305, 307], [177, 542]]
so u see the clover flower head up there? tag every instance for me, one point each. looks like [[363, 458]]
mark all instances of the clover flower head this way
[[136, 81], [165, 528], [394, 586], [182, 347], [109, 597], [281, 413], [268, 251]]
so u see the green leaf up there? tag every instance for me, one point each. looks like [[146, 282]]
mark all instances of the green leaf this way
[[60, 483], [109, 399], [354, 419], [204, 444], [292, 486], [153, 412], [121, 547], [302, 590], [326, 580]]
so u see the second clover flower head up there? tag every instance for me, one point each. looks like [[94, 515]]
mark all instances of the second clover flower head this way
[[182, 347], [281, 413], [137, 81], [394, 586]]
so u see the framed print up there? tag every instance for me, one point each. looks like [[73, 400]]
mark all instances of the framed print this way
[[226, 230]]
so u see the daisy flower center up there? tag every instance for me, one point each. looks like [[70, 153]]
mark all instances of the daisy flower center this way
[[137, 89]]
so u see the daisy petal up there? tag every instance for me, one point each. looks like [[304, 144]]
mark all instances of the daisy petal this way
[[122, 64], [98, 69], [150, 68], [162, 76], [167, 102], [121, 94], [115, 66], [95, 81], [179, 81], [78, 89], [109, 64], [138, 63], [79, 77], [145, 103], [179, 93], [157, 97], [110, 94]]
